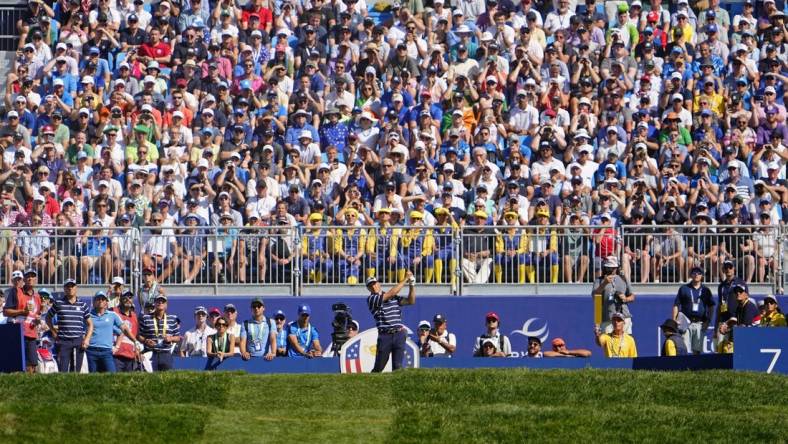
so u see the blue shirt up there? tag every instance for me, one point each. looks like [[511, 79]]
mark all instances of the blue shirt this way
[[103, 328], [694, 302], [257, 336], [304, 336]]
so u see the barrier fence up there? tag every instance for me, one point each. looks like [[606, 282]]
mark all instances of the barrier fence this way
[[443, 257]]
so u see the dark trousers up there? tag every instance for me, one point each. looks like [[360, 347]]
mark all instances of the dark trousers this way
[[125, 364], [69, 355], [100, 360], [161, 361], [390, 344]]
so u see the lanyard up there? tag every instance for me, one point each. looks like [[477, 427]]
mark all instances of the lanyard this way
[[219, 347], [617, 353], [260, 328], [156, 327]]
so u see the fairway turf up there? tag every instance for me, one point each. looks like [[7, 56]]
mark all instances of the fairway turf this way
[[447, 406]]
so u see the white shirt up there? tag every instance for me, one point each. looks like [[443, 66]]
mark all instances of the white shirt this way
[[194, 341]]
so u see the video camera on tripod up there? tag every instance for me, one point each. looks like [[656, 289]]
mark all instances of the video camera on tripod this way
[[342, 319]]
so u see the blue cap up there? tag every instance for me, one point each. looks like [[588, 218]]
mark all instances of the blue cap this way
[[198, 23], [279, 313], [93, 50], [711, 28], [677, 49], [302, 309], [31, 271], [245, 84], [705, 112], [743, 80], [648, 30], [70, 282], [44, 291], [238, 111], [100, 294]]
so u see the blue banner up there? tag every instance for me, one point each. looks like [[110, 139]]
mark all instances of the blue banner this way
[[549, 317], [761, 349]]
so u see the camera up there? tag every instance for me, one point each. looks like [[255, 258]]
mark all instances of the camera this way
[[342, 318]]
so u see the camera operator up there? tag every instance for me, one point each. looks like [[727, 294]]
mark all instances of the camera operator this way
[[387, 311], [616, 295]]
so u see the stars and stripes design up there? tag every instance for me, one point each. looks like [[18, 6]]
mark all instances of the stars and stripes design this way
[[353, 358]]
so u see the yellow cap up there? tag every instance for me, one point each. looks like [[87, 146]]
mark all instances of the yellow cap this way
[[315, 217], [510, 214], [384, 210], [441, 210], [480, 213], [416, 215], [351, 211], [544, 213]]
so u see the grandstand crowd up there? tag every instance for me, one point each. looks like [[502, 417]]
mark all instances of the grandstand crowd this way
[[225, 117]]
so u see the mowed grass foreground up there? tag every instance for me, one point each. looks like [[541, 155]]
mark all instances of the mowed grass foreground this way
[[446, 406]]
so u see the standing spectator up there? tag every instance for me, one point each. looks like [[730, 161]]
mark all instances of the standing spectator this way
[[772, 315], [302, 338], [492, 334], [24, 305], [195, 340], [73, 320], [441, 342], [616, 296], [127, 351], [160, 332], [674, 344], [258, 334], [695, 303], [617, 343]]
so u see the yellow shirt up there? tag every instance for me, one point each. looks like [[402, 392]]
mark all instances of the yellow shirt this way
[[618, 346], [774, 320], [670, 348]]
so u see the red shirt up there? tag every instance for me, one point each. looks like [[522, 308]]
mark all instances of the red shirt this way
[[127, 347], [264, 13], [22, 300], [160, 49]]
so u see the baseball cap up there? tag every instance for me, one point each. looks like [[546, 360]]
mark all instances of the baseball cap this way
[[304, 309], [492, 315]]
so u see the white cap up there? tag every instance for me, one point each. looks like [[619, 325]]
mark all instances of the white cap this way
[[370, 70], [177, 114], [118, 280], [492, 79], [58, 82], [305, 134], [149, 79], [84, 111], [677, 96], [486, 36], [88, 79], [202, 163], [147, 107]]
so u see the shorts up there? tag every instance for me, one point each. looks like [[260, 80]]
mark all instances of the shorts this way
[[31, 352]]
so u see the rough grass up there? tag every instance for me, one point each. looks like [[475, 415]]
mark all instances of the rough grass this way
[[447, 406]]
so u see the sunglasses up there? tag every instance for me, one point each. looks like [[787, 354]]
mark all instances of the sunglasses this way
[[221, 324]]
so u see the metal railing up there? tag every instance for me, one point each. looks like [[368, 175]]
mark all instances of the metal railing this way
[[91, 255], [456, 259], [10, 13]]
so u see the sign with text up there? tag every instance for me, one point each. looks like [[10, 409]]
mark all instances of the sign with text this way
[[761, 349]]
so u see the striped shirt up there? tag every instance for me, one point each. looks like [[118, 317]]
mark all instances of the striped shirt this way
[[69, 318], [156, 329], [387, 314]]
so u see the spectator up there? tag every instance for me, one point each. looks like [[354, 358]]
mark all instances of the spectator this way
[[127, 351], [534, 348], [500, 342], [160, 333], [743, 315], [23, 304], [219, 345], [281, 333], [772, 315], [303, 339], [674, 344], [618, 343], [194, 343], [560, 350], [441, 342], [616, 296], [695, 305], [258, 335]]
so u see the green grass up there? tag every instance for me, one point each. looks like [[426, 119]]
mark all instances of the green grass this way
[[446, 406]]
